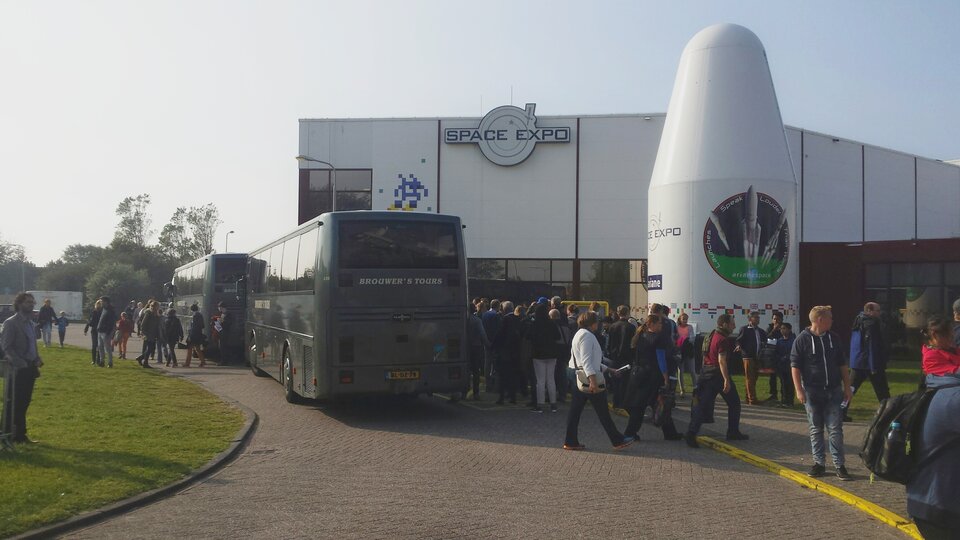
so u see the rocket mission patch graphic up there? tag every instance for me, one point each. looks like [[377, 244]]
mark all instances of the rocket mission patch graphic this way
[[747, 239]]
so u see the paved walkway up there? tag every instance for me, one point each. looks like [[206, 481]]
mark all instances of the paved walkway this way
[[427, 468]]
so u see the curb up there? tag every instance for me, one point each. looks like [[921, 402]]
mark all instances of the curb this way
[[878, 512], [142, 499]]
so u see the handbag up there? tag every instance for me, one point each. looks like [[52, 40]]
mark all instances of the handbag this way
[[666, 399], [583, 380]]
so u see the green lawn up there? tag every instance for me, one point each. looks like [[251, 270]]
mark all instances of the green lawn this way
[[902, 376], [106, 434]]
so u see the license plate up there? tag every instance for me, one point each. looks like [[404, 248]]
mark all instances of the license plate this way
[[403, 375]]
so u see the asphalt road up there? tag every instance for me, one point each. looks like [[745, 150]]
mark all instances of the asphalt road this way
[[428, 468]]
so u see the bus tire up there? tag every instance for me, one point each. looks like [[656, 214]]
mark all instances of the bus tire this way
[[288, 391]]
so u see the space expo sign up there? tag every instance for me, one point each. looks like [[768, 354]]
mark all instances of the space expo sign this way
[[508, 135]]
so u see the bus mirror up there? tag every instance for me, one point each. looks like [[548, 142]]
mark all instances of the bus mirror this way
[[241, 287]]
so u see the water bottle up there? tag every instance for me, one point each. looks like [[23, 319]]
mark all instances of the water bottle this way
[[894, 448]]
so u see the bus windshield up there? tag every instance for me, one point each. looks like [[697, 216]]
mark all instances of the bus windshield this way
[[397, 244]]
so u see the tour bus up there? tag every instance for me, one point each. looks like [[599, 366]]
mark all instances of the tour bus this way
[[360, 303], [207, 281]]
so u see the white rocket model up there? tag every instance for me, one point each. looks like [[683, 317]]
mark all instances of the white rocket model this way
[[723, 176]]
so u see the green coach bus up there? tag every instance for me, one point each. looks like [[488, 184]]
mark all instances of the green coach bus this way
[[360, 303]]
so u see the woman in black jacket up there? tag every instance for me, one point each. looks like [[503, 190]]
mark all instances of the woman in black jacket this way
[[649, 374], [92, 323], [545, 338]]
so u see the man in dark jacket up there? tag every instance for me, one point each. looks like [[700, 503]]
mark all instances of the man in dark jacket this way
[[507, 344], [45, 319], [492, 319], [822, 383], [477, 343], [105, 328], [932, 499], [868, 354], [749, 343], [620, 334]]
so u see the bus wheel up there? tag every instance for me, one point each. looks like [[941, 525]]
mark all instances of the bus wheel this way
[[288, 391], [253, 363]]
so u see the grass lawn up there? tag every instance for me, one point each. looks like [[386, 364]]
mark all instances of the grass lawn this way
[[902, 376], [105, 434]]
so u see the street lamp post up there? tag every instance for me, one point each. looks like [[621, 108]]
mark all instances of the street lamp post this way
[[226, 242], [333, 178]]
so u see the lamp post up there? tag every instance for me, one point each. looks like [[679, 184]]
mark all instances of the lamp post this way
[[333, 178], [226, 242]]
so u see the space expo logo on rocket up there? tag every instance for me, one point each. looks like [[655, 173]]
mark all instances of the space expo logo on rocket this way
[[747, 239]]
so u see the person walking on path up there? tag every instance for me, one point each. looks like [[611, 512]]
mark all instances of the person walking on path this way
[[684, 345], [868, 355], [195, 337], [125, 328], [45, 319], [172, 334], [21, 365], [92, 325], [822, 383], [62, 324], [749, 343], [150, 328], [105, 329], [715, 380], [587, 355], [648, 375], [620, 334]]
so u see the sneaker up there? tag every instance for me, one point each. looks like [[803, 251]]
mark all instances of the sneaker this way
[[737, 436], [574, 447], [691, 440], [843, 474], [553, 408], [816, 471], [627, 441], [536, 409]]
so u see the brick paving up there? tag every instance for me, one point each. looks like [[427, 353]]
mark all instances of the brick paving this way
[[428, 468]]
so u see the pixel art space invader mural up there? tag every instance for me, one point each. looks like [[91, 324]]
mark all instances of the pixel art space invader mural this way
[[408, 194]]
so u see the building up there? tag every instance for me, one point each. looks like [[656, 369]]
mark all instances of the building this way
[[558, 204]]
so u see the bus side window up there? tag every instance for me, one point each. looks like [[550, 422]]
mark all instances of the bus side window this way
[[306, 265], [273, 269], [255, 268], [288, 273]]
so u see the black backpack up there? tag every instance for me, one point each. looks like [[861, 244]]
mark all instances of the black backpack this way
[[892, 461]]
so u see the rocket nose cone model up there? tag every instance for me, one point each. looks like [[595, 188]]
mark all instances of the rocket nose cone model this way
[[724, 178]]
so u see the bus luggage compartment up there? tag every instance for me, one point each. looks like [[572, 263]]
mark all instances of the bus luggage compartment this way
[[401, 350]]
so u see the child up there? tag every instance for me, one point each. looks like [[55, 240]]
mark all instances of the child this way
[[124, 329], [62, 324], [940, 356], [783, 347]]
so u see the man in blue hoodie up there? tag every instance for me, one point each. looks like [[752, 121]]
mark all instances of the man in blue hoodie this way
[[932, 499], [868, 354], [822, 382]]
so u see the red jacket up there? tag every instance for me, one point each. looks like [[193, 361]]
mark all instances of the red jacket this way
[[940, 361], [125, 326]]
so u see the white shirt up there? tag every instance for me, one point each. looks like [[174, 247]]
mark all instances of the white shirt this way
[[586, 352]]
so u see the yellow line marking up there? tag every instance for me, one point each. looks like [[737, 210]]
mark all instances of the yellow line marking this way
[[874, 510], [878, 512]]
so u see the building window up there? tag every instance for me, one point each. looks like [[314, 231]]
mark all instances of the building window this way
[[354, 191]]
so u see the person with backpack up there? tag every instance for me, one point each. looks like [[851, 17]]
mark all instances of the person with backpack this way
[[172, 333], [932, 500], [868, 354], [715, 380], [822, 382]]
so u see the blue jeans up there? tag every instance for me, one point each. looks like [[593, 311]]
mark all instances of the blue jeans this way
[[823, 410], [45, 332]]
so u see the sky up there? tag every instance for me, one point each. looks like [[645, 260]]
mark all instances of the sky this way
[[197, 101]]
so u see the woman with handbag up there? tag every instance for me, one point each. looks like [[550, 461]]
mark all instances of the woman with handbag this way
[[649, 378], [585, 360]]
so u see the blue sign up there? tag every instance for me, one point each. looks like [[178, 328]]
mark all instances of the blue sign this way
[[655, 283]]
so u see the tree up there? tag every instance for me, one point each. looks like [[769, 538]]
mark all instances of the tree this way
[[83, 254], [203, 222], [134, 226], [174, 242], [10, 252], [120, 281]]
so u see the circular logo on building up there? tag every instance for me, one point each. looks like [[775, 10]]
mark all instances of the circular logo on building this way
[[747, 239]]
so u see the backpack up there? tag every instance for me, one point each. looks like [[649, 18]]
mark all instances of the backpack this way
[[170, 329], [889, 460]]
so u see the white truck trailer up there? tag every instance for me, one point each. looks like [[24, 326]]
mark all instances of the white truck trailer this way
[[70, 302]]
